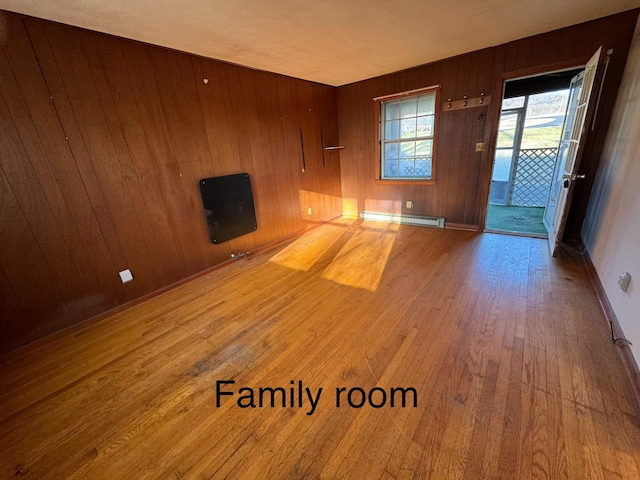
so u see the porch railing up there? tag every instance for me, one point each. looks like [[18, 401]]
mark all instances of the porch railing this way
[[532, 175]]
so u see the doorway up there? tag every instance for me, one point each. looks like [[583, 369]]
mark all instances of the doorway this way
[[532, 115]]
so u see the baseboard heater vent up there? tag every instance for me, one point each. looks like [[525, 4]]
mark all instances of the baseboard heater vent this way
[[420, 220]]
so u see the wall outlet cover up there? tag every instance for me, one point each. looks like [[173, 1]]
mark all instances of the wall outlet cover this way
[[624, 281], [126, 275]]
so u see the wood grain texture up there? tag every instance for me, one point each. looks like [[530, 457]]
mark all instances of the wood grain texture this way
[[508, 350], [463, 176], [102, 143]]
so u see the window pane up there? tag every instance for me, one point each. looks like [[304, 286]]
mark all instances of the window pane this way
[[549, 103], [544, 119], [392, 130], [424, 148], [425, 126], [539, 136], [407, 168], [423, 168], [507, 130], [407, 149], [408, 107], [515, 102], [502, 167], [391, 168], [427, 104], [392, 110], [408, 127], [391, 151]]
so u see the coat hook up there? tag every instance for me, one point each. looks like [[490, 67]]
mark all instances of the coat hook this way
[[465, 101], [481, 98], [449, 100]]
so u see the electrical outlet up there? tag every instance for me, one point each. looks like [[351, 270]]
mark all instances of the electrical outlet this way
[[481, 146], [624, 281], [409, 204], [126, 275], [309, 211]]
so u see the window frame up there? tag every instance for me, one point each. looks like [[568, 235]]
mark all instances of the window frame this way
[[379, 136]]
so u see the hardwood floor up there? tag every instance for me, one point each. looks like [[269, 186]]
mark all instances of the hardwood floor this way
[[506, 349]]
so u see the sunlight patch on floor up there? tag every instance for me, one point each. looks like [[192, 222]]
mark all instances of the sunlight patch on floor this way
[[362, 260], [304, 252]]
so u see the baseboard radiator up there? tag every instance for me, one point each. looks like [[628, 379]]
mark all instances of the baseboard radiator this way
[[420, 220]]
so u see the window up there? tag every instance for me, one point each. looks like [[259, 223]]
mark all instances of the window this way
[[407, 136]]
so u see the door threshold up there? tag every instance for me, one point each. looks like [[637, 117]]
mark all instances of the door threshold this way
[[516, 234]]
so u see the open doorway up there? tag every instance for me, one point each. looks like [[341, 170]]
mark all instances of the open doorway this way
[[530, 128]]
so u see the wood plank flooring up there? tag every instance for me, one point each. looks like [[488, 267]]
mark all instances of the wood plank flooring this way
[[506, 349]]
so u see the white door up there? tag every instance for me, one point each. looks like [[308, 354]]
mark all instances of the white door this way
[[569, 152]]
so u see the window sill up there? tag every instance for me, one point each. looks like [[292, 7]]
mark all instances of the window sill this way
[[405, 182]]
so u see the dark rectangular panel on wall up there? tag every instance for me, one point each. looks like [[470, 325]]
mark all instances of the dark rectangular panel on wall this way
[[228, 206]]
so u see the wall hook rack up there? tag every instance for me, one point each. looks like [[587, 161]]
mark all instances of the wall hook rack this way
[[466, 102]]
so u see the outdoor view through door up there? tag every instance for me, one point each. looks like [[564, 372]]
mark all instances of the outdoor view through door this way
[[529, 133]]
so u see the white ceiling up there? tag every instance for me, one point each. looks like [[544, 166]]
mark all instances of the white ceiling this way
[[327, 41]]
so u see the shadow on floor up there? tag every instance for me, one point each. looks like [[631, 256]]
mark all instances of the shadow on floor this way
[[508, 218]]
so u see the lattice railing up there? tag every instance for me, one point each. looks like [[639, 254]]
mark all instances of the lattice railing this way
[[532, 177]]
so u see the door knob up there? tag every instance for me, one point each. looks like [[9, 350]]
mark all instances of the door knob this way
[[573, 176]]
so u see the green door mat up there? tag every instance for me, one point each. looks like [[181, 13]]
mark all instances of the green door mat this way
[[509, 218]]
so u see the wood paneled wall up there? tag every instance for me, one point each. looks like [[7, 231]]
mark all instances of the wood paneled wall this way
[[102, 143], [103, 140], [463, 175]]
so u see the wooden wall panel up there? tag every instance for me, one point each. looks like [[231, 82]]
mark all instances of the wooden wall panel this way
[[39, 166], [463, 175], [102, 143]]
